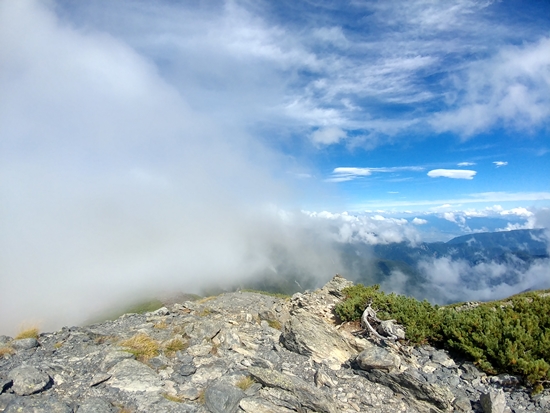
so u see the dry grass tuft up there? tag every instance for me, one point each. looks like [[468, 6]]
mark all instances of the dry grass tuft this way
[[173, 346], [161, 325], [31, 332], [245, 383], [142, 346], [276, 324], [6, 351], [201, 397], [172, 398]]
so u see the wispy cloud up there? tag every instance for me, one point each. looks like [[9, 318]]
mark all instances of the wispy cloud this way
[[498, 164], [452, 173], [329, 77], [512, 89], [465, 164], [474, 198], [342, 174]]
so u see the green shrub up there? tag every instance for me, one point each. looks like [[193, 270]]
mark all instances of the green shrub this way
[[421, 319], [511, 336]]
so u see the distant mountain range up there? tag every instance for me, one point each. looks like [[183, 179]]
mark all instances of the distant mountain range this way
[[514, 252], [524, 244]]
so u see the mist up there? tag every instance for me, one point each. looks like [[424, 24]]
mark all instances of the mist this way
[[112, 185]]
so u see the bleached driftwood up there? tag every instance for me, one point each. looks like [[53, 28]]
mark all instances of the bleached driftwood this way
[[370, 314]]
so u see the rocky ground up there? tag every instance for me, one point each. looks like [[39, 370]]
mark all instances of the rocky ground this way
[[243, 352]]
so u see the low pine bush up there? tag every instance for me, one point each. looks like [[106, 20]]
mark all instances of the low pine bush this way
[[511, 336]]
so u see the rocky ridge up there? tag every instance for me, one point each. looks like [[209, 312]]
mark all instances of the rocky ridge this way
[[244, 352]]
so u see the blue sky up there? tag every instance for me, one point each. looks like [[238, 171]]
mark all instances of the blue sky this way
[[139, 139], [395, 89]]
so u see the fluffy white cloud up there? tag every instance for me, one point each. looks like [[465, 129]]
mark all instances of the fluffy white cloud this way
[[367, 229], [452, 173], [520, 212], [419, 221]]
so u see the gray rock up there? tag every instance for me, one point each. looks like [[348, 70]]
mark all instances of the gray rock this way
[[336, 285], [462, 404], [309, 335], [28, 380], [408, 384], [442, 358], [133, 376], [115, 357], [99, 378], [96, 405], [6, 399], [222, 397], [40, 405], [4, 384], [187, 369], [388, 328], [257, 405], [308, 396], [377, 358], [5, 340], [24, 344], [470, 372], [493, 402], [321, 379]]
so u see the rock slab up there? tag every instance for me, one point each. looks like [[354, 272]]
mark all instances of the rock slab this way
[[28, 380]]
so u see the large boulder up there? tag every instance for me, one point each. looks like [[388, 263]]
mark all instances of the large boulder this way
[[310, 336], [377, 358], [222, 397], [431, 397], [132, 376], [28, 380], [308, 396], [40, 405], [493, 402], [96, 405]]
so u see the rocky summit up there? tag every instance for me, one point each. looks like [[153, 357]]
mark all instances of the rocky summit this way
[[244, 352]]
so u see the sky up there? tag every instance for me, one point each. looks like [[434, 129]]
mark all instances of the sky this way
[[166, 143]]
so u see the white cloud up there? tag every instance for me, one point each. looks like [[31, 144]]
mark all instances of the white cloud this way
[[466, 164], [512, 88], [498, 164], [452, 173], [341, 174], [520, 212], [419, 221], [361, 228], [449, 216], [456, 280], [328, 136]]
